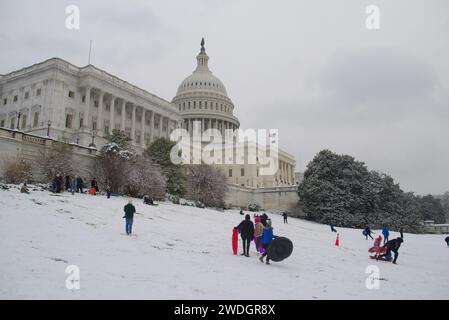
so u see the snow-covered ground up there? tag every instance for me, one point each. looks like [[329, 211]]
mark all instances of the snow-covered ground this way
[[182, 252]]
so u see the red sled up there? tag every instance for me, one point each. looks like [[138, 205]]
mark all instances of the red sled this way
[[235, 241]]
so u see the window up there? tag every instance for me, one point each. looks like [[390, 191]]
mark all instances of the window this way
[[27, 95], [68, 121], [242, 172], [12, 125], [199, 104], [230, 173], [38, 92], [36, 119], [71, 94], [5, 101], [2, 123], [94, 125], [189, 105], [83, 99], [106, 129], [96, 103], [15, 98]]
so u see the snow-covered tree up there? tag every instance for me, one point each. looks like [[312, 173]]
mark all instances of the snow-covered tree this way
[[17, 170], [111, 166], [143, 177], [57, 160], [339, 190], [119, 138], [159, 153], [206, 184]]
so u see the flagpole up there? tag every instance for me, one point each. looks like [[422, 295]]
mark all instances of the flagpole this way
[[90, 51]]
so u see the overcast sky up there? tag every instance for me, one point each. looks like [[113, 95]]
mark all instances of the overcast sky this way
[[310, 68]]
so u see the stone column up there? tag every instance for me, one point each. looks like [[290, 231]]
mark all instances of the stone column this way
[[285, 172], [152, 126], [167, 133], [100, 121], [161, 121], [142, 128], [87, 111], [123, 117], [133, 123], [112, 115]]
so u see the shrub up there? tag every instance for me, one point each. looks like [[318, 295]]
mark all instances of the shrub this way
[[17, 170]]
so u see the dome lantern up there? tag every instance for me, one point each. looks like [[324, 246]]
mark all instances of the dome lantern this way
[[202, 59]]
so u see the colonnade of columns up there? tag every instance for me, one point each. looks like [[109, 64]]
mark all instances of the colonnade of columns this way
[[285, 174], [123, 110], [209, 123]]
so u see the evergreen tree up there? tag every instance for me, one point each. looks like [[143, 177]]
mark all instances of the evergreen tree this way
[[159, 153], [432, 209], [120, 138], [339, 190]]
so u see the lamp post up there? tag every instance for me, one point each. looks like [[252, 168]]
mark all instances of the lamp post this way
[[19, 114], [48, 128]]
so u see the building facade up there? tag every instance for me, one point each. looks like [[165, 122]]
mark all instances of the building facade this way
[[82, 105], [202, 98]]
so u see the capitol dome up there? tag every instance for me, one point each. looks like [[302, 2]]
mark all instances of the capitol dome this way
[[203, 97], [202, 80]]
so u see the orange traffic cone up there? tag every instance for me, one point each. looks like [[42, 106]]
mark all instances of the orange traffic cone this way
[[337, 241]]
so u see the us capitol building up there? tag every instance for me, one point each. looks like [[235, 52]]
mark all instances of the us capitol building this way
[[82, 105]]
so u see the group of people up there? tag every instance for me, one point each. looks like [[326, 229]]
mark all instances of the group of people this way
[[71, 184], [384, 251], [148, 200], [367, 232], [261, 231], [76, 184]]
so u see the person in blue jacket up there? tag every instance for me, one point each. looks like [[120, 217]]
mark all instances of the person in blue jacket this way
[[386, 234], [267, 236]]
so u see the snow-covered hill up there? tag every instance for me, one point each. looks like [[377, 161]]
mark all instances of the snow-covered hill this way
[[182, 252]]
